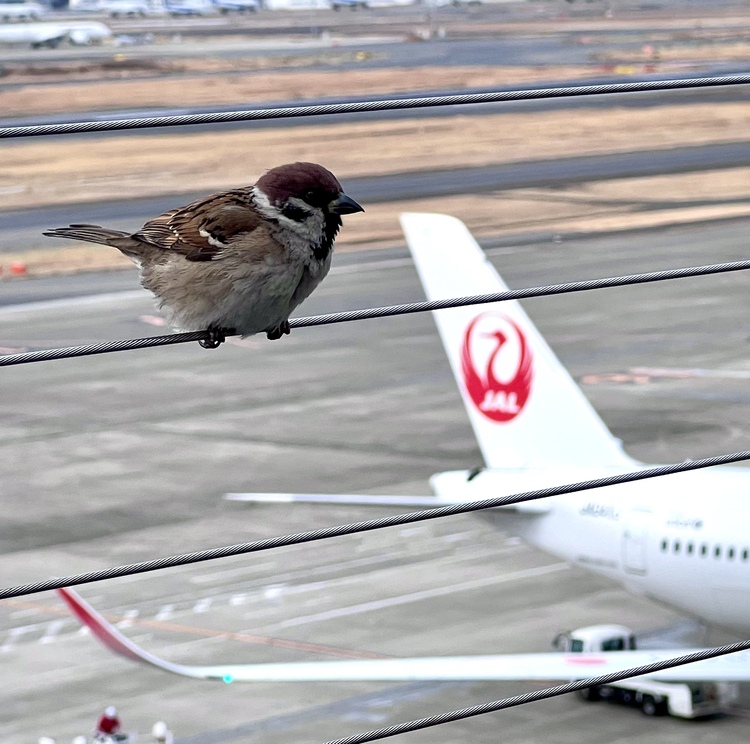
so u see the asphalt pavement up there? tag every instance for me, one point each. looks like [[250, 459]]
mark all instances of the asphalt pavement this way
[[22, 229], [112, 459]]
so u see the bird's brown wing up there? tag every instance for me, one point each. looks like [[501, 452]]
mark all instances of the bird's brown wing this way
[[203, 229]]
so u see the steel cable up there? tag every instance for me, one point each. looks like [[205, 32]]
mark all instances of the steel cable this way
[[105, 347], [219, 117], [365, 526]]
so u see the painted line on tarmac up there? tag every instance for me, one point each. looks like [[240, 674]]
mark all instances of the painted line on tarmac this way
[[359, 707], [282, 578], [420, 595], [131, 618], [262, 640], [68, 302]]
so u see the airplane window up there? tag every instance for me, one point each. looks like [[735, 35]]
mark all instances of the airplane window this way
[[704, 549], [613, 644], [717, 551], [690, 548], [676, 546], [663, 545], [745, 554], [730, 554]]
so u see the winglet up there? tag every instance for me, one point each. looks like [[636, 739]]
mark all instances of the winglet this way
[[115, 641], [106, 633]]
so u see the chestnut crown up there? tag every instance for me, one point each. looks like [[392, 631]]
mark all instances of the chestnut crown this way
[[310, 182]]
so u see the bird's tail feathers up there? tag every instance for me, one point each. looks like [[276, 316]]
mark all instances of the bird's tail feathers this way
[[92, 234]]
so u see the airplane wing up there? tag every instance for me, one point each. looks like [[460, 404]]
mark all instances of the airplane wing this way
[[543, 667], [337, 498], [452, 482]]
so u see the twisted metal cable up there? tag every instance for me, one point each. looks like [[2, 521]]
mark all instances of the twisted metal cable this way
[[535, 696], [376, 105], [365, 526], [46, 355]]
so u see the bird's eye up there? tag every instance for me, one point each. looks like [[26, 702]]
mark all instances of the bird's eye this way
[[309, 195]]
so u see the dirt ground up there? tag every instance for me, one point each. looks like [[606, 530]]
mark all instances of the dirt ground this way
[[593, 207], [50, 170], [53, 171], [184, 89]]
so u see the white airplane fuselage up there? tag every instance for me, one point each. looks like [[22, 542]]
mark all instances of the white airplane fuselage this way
[[681, 539]]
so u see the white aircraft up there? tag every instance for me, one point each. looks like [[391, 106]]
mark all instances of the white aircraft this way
[[662, 538], [682, 539], [53, 34]]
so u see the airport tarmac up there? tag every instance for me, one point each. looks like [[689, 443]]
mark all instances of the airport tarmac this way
[[117, 458]]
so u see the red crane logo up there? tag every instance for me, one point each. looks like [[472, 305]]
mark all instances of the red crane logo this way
[[485, 338]]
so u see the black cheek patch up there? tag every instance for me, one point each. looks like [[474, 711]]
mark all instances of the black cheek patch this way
[[294, 213]]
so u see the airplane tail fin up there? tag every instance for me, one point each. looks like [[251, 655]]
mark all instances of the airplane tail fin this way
[[526, 410]]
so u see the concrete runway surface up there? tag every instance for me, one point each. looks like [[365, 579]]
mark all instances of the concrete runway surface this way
[[118, 458]]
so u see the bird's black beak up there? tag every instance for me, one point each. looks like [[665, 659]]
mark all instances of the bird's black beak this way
[[344, 204]]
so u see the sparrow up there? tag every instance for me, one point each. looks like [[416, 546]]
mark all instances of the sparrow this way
[[240, 261]]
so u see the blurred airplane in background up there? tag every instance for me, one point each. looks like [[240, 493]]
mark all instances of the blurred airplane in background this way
[[51, 35]]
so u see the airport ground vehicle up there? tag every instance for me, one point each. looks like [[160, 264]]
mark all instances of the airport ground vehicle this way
[[653, 697], [238, 6], [353, 4], [117, 8], [189, 7], [454, 3], [296, 4], [20, 11], [112, 739]]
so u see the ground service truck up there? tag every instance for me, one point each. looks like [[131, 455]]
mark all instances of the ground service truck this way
[[654, 698]]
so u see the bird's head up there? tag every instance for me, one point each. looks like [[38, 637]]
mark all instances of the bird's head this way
[[306, 198], [498, 335]]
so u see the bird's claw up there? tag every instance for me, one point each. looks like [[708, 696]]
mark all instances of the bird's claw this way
[[283, 329], [216, 337]]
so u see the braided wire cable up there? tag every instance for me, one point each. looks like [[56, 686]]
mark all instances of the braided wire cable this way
[[364, 526], [46, 355], [37, 130], [536, 695]]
